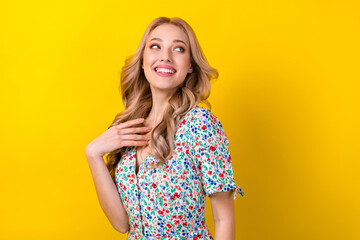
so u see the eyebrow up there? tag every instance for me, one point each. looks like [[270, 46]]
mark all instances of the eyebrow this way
[[160, 40]]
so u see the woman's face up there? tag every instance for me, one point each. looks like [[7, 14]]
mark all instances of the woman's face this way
[[166, 59]]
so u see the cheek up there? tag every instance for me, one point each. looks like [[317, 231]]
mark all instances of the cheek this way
[[148, 58], [185, 61]]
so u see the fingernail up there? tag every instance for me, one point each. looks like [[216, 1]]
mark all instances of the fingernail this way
[[141, 119]]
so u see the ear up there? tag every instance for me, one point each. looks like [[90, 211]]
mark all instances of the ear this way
[[191, 69]]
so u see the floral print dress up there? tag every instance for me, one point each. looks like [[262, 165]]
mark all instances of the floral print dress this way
[[169, 202]]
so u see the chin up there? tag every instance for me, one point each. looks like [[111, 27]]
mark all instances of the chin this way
[[164, 88]]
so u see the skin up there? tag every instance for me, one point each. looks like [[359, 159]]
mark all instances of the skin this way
[[162, 50], [222, 206]]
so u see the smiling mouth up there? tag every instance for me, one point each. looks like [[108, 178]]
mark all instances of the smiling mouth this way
[[164, 70]]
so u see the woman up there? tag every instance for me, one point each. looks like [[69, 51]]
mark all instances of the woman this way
[[165, 152]]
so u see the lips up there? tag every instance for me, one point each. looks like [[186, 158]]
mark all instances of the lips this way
[[165, 70]]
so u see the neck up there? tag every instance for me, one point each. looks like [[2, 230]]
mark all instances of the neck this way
[[160, 100]]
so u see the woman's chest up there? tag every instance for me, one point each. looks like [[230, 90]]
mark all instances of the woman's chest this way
[[176, 179]]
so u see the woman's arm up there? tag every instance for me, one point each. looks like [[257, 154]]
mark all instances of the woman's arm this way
[[222, 205], [107, 193], [115, 137]]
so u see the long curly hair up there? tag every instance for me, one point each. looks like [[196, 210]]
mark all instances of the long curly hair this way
[[136, 95]]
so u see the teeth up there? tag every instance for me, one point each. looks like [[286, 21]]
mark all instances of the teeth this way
[[164, 70]]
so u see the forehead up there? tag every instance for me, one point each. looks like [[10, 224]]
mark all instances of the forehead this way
[[168, 32]]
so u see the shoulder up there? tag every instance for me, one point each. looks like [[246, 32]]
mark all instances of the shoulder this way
[[202, 123], [203, 119], [197, 111], [200, 116]]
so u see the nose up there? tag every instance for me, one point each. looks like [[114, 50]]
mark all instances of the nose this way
[[165, 57]]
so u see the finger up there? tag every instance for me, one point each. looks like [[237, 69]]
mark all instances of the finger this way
[[136, 130], [136, 137], [134, 143], [130, 123]]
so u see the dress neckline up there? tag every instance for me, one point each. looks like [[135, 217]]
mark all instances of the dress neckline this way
[[144, 160], [135, 162]]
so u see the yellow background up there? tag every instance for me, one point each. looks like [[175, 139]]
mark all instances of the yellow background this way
[[287, 96]]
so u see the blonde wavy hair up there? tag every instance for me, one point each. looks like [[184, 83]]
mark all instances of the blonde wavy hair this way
[[137, 98]]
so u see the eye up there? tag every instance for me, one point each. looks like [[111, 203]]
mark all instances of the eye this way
[[181, 49], [154, 46]]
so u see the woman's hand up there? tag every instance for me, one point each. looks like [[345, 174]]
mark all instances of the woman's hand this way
[[118, 136]]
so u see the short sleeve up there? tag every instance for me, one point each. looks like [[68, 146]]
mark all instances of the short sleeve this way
[[209, 148]]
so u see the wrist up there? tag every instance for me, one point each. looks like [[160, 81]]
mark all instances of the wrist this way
[[91, 154]]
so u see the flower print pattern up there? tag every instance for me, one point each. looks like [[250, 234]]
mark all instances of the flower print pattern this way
[[169, 202], [210, 150]]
